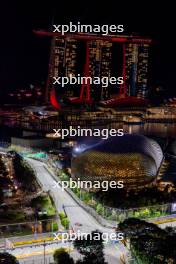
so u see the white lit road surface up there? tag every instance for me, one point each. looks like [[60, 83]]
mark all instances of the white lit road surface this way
[[25, 253], [76, 214], [171, 224], [35, 254]]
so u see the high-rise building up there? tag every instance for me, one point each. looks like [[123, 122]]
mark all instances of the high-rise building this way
[[94, 59], [100, 66], [70, 63], [142, 73], [136, 69], [95, 66], [62, 63], [56, 64], [106, 66]]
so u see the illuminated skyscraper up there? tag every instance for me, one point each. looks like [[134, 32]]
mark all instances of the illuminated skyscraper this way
[[106, 66], [70, 63], [136, 69], [100, 66], [94, 59], [63, 61], [142, 73], [131, 68], [56, 64], [95, 66]]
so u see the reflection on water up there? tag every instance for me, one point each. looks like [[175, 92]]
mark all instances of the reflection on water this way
[[152, 129]]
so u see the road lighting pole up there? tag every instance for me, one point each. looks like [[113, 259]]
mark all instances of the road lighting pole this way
[[44, 253], [80, 196]]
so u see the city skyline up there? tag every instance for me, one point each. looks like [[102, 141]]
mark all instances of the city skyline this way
[[26, 57], [87, 133]]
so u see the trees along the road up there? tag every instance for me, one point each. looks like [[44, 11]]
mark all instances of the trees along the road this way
[[62, 257], [149, 243], [7, 258], [91, 247]]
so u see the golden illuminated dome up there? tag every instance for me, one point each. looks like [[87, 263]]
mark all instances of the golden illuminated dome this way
[[133, 159]]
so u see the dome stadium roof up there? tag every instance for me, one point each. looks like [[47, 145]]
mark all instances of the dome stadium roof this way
[[132, 158]]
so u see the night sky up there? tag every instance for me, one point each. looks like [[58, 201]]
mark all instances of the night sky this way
[[24, 56]]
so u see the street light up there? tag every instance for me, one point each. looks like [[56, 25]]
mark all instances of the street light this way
[[80, 194], [44, 245]]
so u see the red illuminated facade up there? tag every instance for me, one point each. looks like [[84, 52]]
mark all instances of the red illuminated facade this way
[[97, 62]]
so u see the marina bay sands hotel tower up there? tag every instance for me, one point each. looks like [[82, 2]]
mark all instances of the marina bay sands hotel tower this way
[[93, 55], [137, 69]]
